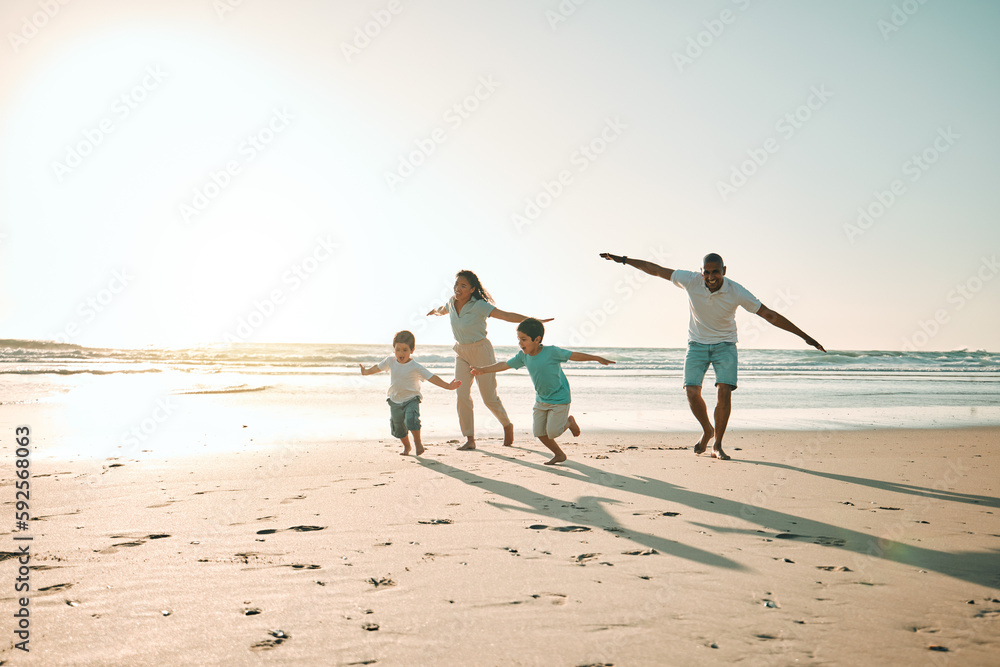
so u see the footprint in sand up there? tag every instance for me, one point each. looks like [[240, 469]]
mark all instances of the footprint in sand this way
[[640, 552], [436, 522], [551, 598], [55, 588], [821, 540], [133, 541], [561, 529], [383, 582], [297, 529], [278, 638]]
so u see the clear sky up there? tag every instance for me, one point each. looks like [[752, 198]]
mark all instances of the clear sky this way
[[182, 172]]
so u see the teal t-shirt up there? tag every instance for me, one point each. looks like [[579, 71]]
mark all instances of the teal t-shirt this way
[[545, 369]]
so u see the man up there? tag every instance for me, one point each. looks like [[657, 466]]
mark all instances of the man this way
[[712, 336]]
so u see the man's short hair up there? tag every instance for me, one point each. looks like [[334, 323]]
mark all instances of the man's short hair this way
[[532, 328], [406, 338], [713, 257]]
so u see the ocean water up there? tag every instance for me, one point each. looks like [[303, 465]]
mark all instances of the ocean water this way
[[132, 399]]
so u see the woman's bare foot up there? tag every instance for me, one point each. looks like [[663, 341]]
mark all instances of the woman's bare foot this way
[[717, 453], [508, 435], [558, 458], [470, 443], [574, 428], [702, 445]]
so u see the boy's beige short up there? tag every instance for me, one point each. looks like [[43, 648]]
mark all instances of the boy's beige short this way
[[549, 419]]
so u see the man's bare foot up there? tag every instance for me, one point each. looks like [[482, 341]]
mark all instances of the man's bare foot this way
[[717, 453], [469, 444], [420, 450], [558, 458], [405, 452], [574, 428], [702, 445], [508, 435]]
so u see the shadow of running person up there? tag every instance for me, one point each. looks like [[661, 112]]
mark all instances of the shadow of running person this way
[[593, 515], [894, 487], [977, 567]]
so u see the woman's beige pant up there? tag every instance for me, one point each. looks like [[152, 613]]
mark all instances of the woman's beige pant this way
[[477, 354]]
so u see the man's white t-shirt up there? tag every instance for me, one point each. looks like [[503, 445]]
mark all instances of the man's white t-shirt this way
[[713, 314], [404, 379]]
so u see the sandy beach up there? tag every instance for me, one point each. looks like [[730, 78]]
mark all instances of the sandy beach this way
[[847, 547]]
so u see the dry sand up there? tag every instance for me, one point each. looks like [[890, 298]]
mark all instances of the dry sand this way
[[847, 547]]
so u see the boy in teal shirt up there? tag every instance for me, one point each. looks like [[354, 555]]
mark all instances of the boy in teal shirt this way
[[552, 397]]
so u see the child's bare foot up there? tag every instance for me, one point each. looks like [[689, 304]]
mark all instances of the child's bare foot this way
[[574, 428], [508, 435], [717, 453], [558, 458], [702, 445], [469, 444]]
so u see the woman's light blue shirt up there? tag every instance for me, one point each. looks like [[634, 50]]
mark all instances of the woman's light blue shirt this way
[[469, 326]]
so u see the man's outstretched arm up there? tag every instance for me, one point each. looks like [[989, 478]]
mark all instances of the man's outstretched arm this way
[[641, 264], [782, 322]]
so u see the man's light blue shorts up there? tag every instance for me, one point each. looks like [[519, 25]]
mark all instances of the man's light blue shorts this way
[[721, 356]]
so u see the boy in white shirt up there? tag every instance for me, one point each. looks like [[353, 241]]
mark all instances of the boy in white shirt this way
[[405, 376]]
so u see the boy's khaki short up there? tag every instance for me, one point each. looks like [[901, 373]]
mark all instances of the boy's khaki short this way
[[549, 419]]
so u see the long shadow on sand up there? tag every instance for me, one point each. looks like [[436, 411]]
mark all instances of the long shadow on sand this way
[[538, 504], [982, 568], [895, 487]]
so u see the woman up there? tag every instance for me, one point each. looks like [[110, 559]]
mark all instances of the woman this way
[[469, 308]]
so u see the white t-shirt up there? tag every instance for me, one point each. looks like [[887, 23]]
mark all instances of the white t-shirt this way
[[713, 314], [404, 379]]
